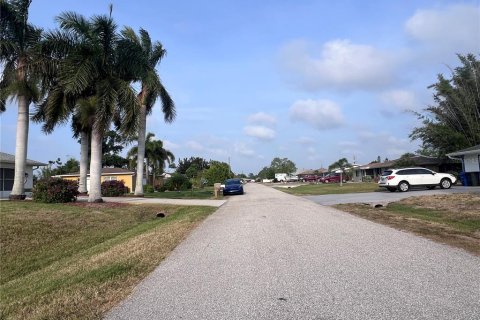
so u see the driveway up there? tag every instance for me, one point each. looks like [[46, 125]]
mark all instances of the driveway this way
[[384, 197], [271, 255], [139, 200]]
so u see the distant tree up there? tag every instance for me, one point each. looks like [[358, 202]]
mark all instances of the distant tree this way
[[405, 161], [283, 165], [218, 172], [185, 163], [251, 176], [453, 123], [241, 176], [266, 173], [192, 171], [340, 164]]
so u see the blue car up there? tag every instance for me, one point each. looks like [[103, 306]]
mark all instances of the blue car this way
[[233, 186]]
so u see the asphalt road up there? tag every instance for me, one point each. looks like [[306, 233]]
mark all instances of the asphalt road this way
[[270, 255], [386, 196]]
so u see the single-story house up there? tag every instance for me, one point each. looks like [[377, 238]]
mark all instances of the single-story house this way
[[373, 170], [319, 172], [470, 158], [125, 175], [7, 174]]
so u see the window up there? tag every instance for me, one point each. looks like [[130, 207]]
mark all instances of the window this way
[[6, 179], [110, 178], [423, 171]]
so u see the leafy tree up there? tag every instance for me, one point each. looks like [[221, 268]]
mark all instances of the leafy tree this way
[[404, 161], [218, 172], [21, 73], [192, 171], [184, 164], [283, 166], [112, 145], [453, 123], [241, 176], [266, 173], [339, 164], [151, 89]]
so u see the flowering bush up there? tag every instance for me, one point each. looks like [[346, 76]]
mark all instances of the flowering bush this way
[[113, 188], [55, 190]]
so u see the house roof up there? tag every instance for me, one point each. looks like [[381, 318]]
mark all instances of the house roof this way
[[10, 158], [418, 160], [311, 171], [105, 172], [471, 150]]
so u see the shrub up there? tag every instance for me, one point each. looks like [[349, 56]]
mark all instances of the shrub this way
[[113, 188], [55, 190], [178, 182], [148, 188]]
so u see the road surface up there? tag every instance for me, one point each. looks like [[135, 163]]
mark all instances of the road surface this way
[[270, 255]]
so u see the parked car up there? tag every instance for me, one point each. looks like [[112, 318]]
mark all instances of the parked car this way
[[310, 178], [333, 178], [403, 179], [233, 186]]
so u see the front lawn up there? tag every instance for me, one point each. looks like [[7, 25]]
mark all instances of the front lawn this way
[[330, 188], [453, 219], [76, 261]]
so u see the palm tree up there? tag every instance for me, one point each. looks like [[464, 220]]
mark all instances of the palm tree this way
[[21, 76], [155, 156], [95, 68], [151, 89]]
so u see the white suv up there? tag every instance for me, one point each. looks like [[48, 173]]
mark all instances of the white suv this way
[[403, 179]]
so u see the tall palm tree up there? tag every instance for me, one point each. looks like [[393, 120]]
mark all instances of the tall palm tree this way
[[94, 69], [21, 77], [151, 89], [154, 154]]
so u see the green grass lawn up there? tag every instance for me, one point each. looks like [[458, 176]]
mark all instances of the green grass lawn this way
[[76, 261], [453, 219], [332, 188], [206, 193]]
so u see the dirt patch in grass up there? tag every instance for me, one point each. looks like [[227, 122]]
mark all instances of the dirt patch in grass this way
[[77, 262], [452, 219], [98, 205]]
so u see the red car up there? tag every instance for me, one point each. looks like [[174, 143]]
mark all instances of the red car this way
[[333, 178], [310, 178]]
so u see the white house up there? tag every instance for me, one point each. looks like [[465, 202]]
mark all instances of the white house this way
[[470, 163], [7, 174]]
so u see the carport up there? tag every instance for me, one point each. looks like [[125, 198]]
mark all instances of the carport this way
[[470, 164]]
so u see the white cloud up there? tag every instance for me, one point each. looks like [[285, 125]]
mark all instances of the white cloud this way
[[243, 150], [400, 100], [454, 29], [262, 118], [305, 140], [321, 114], [169, 145], [194, 145], [259, 132], [340, 64]]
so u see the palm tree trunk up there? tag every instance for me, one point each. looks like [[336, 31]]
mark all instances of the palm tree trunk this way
[[21, 144], [95, 194], [82, 186], [142, 127]]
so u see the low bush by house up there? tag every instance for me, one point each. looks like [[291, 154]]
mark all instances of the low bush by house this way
[[113, 188], [178, 182], [55, 190]]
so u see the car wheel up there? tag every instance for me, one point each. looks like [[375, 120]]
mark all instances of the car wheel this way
[[391, 189], [431, 187], [403, 186], [445, 183]]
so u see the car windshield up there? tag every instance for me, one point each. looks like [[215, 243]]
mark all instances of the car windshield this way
[[232, 182], [387, 172]]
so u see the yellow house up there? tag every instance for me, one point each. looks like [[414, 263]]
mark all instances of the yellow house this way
[[120, 174]]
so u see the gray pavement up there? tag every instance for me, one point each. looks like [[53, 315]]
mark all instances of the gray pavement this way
[[385, 197], [270, 255]]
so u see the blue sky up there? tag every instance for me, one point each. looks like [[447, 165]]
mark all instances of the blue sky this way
[[312, 81]]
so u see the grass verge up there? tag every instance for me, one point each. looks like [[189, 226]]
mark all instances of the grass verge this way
[[77, 261], [331, 188], [452, 219], [206, 193]]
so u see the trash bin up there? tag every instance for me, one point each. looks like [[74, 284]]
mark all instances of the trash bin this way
[[463, 178]]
